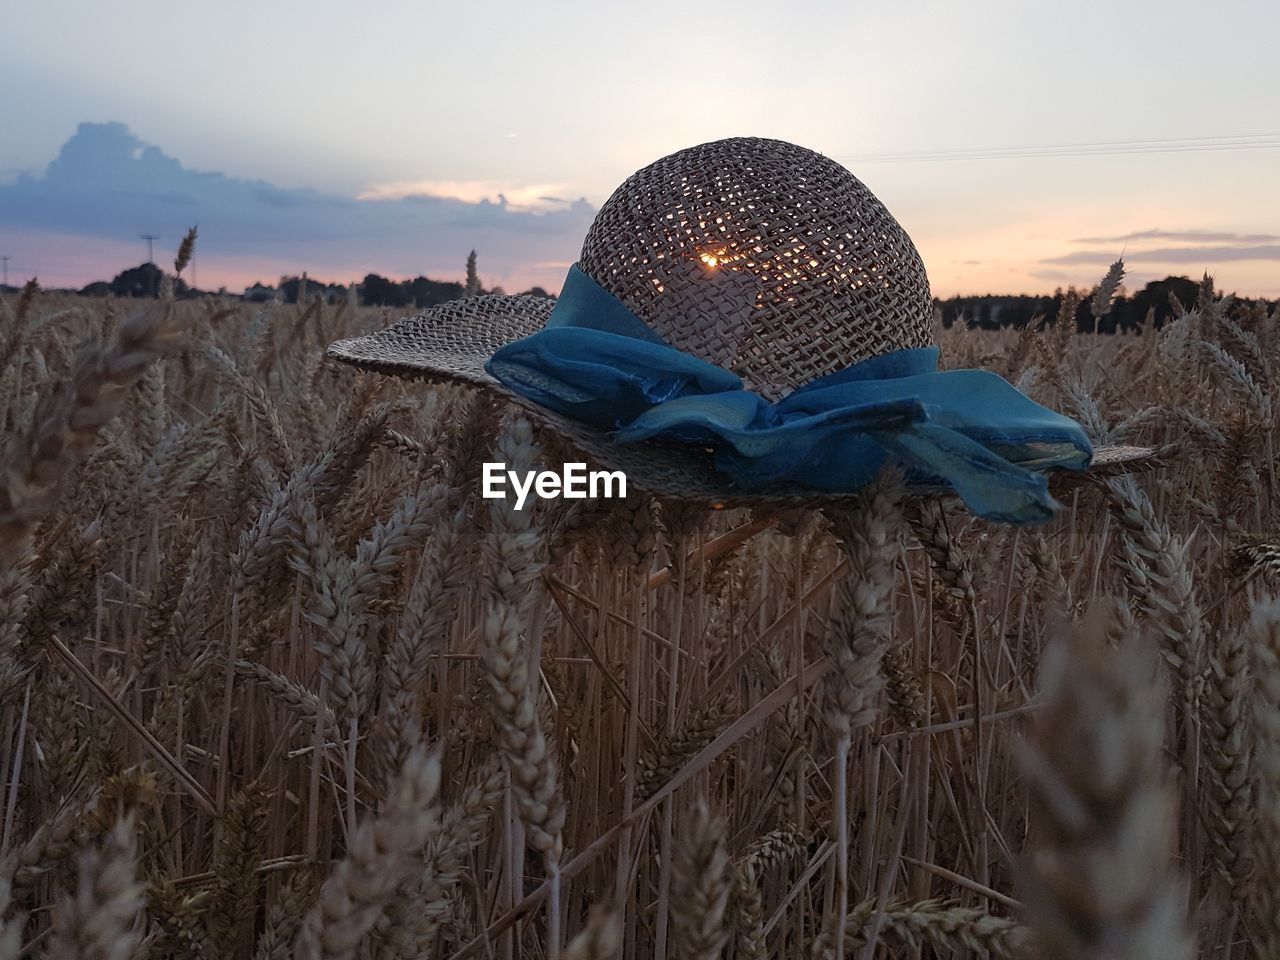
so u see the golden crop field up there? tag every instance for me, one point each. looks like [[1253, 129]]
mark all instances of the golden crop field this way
[[277, 681]]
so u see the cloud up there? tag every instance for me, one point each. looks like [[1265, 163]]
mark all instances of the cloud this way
[[1179, 255], [1053, 276], [107, 184], [469, 191], [1186, 236]]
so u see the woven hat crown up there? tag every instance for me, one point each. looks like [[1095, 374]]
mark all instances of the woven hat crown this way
[[761, 256]]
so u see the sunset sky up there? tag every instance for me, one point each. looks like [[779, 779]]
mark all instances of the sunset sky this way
[[322, 116]]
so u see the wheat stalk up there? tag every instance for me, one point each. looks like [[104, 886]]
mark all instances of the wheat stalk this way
[[512, 566], [1264, 635], [98, 921], [1100, 882], [700, 887], [377, 861]]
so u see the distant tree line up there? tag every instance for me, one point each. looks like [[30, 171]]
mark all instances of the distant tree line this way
[[378, 291], [1128, 313], [140, 281], [375, 291], [990, 311]]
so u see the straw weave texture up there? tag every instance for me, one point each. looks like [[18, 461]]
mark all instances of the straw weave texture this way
[[450, 341], [763, 257]]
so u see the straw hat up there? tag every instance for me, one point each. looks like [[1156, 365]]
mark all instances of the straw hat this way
[[757, 255]]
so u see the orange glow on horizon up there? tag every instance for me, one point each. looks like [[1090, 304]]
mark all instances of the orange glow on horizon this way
[[1009, 258]]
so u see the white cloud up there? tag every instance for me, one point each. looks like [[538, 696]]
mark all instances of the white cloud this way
[[1185, 236], [533, 198]]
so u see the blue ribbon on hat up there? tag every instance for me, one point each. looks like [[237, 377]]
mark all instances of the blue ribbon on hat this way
[[964, 430]]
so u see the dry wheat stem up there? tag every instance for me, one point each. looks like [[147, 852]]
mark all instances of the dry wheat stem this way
[[378, 860], [1100, 882]]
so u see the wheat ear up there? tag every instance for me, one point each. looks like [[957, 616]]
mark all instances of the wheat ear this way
[[700, 888], [600, 939], [1227, 741], [957, 931], [378, 860], [423, 905], [11, 926], [67, 420], [1264, 636], [855, 644], [513, 562], [1100, 881], [1100, 305], [98, 921], [1160, 569]]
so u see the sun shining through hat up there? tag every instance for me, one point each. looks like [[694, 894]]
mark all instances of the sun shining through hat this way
[[747, 324]]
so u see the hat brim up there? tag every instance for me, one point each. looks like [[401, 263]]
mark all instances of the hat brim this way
[[451, 342]]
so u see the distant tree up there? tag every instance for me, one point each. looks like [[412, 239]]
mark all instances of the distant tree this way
[[993, 312], [140, 281], [378, 291], [99, 288], [473, 279], [539, 292], [498, 292], [303, 289], [256, 292], [1156, 294], [1120, 318], [427, 293]]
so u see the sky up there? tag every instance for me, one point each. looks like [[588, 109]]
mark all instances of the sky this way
[[394, 137]]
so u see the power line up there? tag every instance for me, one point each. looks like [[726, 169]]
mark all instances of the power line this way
[[1026, 154], [1254, 141], [1105, 146], [1127, 143]]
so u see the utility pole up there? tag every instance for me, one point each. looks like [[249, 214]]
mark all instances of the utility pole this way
[[152, 238], [6, 270]]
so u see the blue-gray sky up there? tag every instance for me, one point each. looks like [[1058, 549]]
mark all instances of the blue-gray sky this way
[[464, 102]]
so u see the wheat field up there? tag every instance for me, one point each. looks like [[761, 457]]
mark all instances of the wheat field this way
[[277, 682]]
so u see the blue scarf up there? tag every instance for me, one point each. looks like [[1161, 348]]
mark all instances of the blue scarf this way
[[964, 430]]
